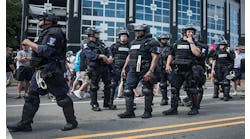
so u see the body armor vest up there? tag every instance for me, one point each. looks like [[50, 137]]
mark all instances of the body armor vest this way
[[223, 59], [183, 53], [37, 61], [140, 51], [120, 53], [165, 51], [98, 49]]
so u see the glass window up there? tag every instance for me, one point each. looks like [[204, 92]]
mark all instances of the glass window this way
[[87, 3], [110, 31], [158, 4], [97, 12], [110, 39], [140, 2], [119, 24], [148, 2], [120, 14], [120, 6], [166, 5], [86, 22], [120, 0], [97, 23], [110, 6], [158, 18], [139, 16], [166, 12], [148, 17], [158, 11], [139, 9], [110, 24], [86, 11], [148, 10], [97, 4], [166, 19], [109, 13]]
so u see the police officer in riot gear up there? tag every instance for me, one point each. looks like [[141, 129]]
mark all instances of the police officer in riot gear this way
[[142, 60], [182, 55], [48, 58], [199, 68], [221, 66], [120, 52], [98, 69], [160, 69]]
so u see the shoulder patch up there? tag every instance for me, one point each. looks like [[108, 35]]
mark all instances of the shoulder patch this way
[[51, 41]]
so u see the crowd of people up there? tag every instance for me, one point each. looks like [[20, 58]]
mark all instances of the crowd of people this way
[[125, 66]]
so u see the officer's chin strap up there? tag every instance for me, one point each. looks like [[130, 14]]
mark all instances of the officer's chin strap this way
[[40, 82]]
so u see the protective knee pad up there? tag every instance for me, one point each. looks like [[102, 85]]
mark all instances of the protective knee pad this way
[[174, 90], [216, 82], [226, 89], [93, 87], [64, 102], [163, 85], [147, 91], [128, 92], [225, 83]]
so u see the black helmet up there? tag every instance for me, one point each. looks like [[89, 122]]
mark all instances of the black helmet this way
[[97, 30], [189, 27], [164, 36], [143, 27], [90, 31], [49, 16], [123, 31], [223, 41]]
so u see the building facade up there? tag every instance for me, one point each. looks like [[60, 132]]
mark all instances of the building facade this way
[[216, 17]]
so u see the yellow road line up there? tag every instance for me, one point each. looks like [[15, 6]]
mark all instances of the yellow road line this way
[[151, 128], [181, 130]]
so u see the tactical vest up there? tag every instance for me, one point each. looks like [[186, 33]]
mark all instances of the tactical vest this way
[[223, 59], [120, 53], [37, 61], [183, 53], [165, 51], [98, 49], [140, 49], [204, 54]]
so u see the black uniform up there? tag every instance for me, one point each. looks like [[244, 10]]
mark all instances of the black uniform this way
[[183, 72], [161, 72], [120, 53], [224, 64], [140, 52], [49, 63], [97, 70], [199, 73]]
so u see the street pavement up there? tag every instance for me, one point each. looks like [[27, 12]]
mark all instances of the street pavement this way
[[217, 120]]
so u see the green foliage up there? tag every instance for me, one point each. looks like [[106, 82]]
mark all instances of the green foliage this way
[[13, 23]]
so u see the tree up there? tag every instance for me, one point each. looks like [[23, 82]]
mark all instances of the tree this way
[[13, 23]]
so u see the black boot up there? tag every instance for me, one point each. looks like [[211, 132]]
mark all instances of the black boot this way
[[111, 105], [96, 108], [148, 106], [146, 115], [129, 113], [174, 106], [68, 112], [171, 111], [200, 96], [19, 127], [164, 91], [216, 91], [30, 108], [226, 90], [194, 108]]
